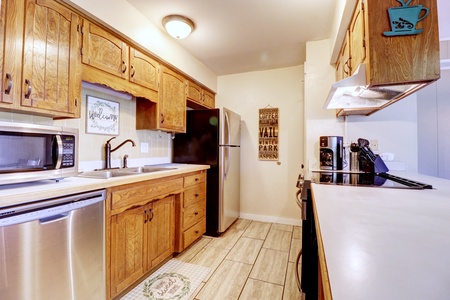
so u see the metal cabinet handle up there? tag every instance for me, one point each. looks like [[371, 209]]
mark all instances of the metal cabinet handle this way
[[346, 64], [8, 84], [153, 214], [196, 213], [133, 71], [146, 216], [124, 66], [196, 195], [197, 232], [162, 118], [29, 89]]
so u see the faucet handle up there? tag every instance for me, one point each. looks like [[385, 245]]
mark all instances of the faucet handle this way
[[125, 161], [107, 142]]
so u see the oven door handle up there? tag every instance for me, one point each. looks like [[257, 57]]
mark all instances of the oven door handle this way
[[297, 275], [301, 203]]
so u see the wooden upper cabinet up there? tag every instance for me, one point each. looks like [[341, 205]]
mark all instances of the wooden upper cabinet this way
[[11, 31], [108, 60], [357, 47], [172, 101], [51, 60], [393, 58], [195, 92], [104, 51], [197, 97], [144, 70], [40, 61], [209, 99], [343, 63]]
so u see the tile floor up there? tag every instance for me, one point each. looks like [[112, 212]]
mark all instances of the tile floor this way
[[251, 260]]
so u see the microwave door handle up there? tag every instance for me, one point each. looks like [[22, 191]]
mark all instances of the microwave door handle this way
[[59, 151]]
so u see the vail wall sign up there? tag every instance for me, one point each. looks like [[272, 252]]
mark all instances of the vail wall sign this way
[[404, 19], [268, 134]]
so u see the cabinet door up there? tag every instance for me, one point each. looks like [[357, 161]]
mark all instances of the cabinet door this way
[[194, 92], [343, 68], [172, 101], [144, 70], [11, 31], [128, 247], [357, 38], [162, 233], [104, 51], [208, 99], [51, 58]]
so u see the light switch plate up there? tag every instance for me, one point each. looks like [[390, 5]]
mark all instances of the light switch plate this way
[[144, 147]]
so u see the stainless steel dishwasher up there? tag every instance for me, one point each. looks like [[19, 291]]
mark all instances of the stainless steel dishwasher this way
[[53, 249]]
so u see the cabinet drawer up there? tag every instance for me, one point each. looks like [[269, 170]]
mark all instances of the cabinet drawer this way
[[194, 233], [145, 192], [194, 179], [194, 194], [192, 214]]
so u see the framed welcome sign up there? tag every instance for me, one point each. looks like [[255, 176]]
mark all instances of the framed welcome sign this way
[[102, 116]]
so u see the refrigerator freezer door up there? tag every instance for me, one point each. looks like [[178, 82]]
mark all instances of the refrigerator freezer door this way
[[229, 185]]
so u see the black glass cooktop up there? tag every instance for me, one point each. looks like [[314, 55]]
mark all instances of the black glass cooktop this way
[[383, 180]]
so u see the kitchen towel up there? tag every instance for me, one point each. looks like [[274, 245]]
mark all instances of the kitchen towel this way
[[175, 280]]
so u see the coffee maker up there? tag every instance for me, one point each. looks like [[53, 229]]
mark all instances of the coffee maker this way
[[331, 152]]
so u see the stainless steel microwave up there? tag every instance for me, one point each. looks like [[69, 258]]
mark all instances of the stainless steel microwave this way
[[31, 152]]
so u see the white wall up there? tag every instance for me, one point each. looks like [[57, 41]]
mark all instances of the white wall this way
[[123, 17], [268, 189]]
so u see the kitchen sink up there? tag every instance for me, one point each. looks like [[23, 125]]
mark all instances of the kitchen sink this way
[[110, 173]]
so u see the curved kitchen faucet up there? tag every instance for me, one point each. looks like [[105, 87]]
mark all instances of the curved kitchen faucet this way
[[108, 150]]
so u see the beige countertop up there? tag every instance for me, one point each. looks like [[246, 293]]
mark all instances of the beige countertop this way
[[382, 243], [34, 191]]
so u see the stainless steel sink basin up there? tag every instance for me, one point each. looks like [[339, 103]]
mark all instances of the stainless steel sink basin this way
[[105, 174], [147, 169]]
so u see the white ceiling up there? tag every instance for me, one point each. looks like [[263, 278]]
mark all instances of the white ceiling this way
[[236, 36]]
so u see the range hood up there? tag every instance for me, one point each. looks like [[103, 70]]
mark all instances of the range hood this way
[[353, 96]]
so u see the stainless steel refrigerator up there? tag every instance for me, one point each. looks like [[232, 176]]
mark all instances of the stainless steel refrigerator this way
[[213, 137]]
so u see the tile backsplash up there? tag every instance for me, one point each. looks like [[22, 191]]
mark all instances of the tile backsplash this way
[[91, 146]]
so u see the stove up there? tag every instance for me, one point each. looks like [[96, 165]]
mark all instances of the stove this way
[[380, 180]]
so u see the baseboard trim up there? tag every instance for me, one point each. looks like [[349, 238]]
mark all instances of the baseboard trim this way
[[270, 219]]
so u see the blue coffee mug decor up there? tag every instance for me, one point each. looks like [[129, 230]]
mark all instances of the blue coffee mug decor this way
[[404, 19]]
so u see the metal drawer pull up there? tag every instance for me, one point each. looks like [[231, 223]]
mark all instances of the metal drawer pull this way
[[146, 216], [197, 232], [196, 195], [124, 66], [196, 213], [9, 84], [29, 89], [133, 70]]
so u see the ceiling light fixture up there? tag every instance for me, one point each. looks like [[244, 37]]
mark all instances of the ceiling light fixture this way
[[178, 26]]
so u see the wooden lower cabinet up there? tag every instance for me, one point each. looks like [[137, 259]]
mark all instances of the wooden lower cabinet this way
[[192, 210], [141, 230], [147, 222]]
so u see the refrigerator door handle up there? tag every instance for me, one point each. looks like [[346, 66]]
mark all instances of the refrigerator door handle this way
[[227, 133], [226, 158]]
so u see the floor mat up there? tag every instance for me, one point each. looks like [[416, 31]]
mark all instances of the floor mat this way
[[175, 280]]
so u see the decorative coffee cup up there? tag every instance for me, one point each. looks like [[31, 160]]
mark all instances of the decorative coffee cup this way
[[405, 18]]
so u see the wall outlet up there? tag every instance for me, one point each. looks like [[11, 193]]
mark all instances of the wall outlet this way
[[387, 156], [373, 145], [144, 147]]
